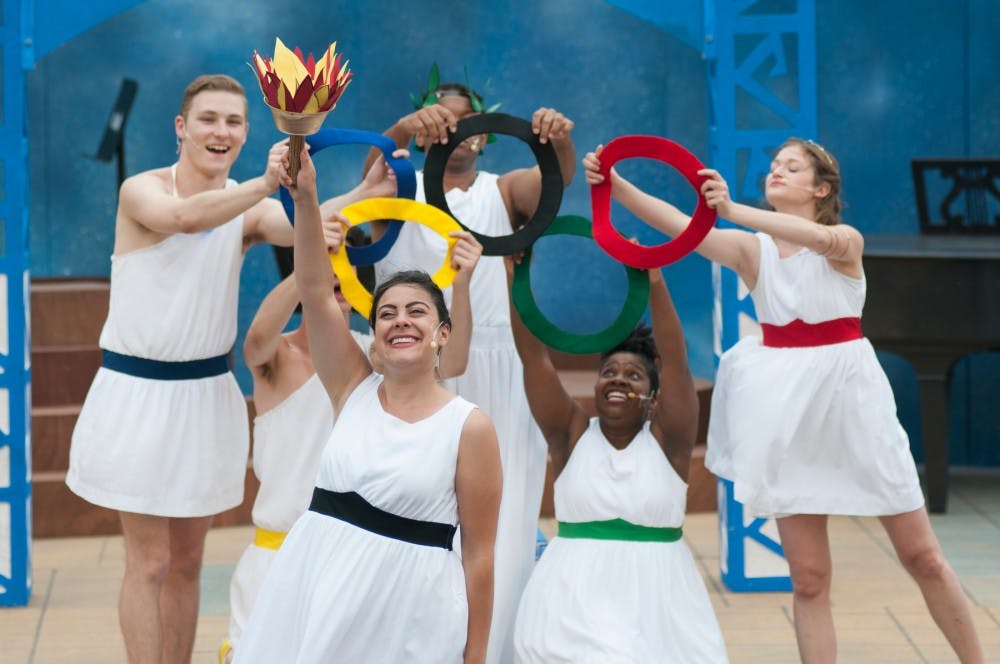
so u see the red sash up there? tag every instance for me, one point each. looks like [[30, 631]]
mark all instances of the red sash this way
[[799, 334]]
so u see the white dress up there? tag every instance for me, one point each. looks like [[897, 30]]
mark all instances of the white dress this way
[[493, 381], [339, 593], [596, 601], [174, 448], [809, 430], [288, 441]]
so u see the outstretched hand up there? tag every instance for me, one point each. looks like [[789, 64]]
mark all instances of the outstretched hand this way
[[592, 166], [429, 124], [380, 181], [277, 165], [334, 231], [305, 184], [716, 191], [465, 256], [549, 124]]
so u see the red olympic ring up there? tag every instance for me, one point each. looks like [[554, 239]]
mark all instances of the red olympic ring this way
[[613, 242]]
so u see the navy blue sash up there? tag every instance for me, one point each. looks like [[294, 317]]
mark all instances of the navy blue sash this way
[[159, 370]]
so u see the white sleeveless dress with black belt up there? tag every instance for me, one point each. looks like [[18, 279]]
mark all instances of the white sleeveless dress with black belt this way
[[493, 380], [339, 593]]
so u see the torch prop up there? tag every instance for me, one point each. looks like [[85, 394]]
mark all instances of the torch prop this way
[[300, 92]]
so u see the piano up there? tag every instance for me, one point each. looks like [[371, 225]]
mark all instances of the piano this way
[[932, 299]]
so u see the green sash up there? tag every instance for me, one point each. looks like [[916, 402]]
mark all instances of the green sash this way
[[617, 529]]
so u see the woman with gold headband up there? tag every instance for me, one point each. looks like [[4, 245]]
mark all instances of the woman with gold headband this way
[[804, 422]]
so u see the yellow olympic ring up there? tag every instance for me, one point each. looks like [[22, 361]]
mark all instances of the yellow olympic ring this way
[[372, 209]]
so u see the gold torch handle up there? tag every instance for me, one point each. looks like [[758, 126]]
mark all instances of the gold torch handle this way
[[295, 144]]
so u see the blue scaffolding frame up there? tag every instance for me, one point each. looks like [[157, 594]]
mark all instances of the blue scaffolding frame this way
[[744, 42]]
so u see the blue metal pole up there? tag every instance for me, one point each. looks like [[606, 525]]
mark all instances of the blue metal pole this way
[[15, 351], [751, 49]]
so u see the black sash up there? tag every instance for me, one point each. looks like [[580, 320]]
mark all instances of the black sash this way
[[354, 509]]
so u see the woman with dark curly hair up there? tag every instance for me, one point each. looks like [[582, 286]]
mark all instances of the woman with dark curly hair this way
[[618, 583]]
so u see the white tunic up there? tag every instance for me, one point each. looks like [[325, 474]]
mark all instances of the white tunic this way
[[809, 430], [494, 382], [288, 441], [338, 593], [175, 448], [612, 601]]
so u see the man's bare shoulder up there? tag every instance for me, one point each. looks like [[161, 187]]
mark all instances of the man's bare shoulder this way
[[157, 179]]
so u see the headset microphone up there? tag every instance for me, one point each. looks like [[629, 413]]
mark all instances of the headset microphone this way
[[187, 137], [434, 343]]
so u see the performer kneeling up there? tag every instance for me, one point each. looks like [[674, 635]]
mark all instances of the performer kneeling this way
[[368, 574], [618, 584]]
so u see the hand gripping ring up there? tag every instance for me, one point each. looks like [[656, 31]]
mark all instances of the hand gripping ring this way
[[548, 162], [613, 242]]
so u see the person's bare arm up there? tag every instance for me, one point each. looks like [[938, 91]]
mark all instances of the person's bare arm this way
[[841, 243], [464, 258], [736, 249], [675, 412], [260, 348], [478, 485], [144, 201], [559, 417], [340, 363]]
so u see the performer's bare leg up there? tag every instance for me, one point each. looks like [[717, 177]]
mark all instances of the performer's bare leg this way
[[806, 545], [920, 553], [179, 594], [147, 560]]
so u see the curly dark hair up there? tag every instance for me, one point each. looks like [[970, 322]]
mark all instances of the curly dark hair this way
[[640, 342], [417, 278]]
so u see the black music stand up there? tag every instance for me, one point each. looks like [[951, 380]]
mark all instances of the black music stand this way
[[113, 142]]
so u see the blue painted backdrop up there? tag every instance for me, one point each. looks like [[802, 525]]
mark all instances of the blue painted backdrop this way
[[891, 86]]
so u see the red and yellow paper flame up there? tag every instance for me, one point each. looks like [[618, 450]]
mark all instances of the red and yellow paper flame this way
[[293, 83]]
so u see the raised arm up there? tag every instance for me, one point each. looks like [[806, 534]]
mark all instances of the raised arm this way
[[424, 126], [464, 258], [675, 413], [521, 188], [260, 348], [840, 243], [559, 417], [341, 365], [736, 249], [478, 485]]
